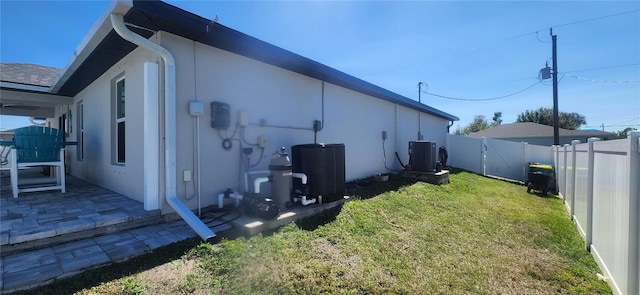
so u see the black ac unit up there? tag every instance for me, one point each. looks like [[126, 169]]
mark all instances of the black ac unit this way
[[422, 156]]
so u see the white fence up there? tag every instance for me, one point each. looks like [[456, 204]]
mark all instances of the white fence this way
[[493, 157], [599, 182]]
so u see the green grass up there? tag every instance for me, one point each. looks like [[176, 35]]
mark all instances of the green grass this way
[[474, 236]]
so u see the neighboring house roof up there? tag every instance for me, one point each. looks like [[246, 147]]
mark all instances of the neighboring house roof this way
[[535, 130], [28, 74], [102, 48]]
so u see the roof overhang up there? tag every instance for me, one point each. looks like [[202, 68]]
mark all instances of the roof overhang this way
[[29, 103], [89, 60], [102, 48]]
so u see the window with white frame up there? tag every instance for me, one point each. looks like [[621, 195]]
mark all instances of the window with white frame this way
[[80, 131], [119, 121]]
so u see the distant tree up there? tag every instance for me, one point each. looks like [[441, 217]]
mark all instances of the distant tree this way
[[622, 134], [479, 123], [458, 130], [544, 116], [497, 119]]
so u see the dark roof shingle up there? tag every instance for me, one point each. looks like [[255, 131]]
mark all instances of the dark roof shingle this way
[[28, 74]]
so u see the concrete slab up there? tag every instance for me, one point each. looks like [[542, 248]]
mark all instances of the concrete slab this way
[[250, 225]]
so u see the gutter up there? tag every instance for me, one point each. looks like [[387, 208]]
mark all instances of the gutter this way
[[117, 21]]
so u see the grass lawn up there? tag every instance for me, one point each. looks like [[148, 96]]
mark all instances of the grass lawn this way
[[474, 236]]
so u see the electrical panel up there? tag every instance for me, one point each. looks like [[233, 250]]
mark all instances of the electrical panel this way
[[196, 108], [220, 115], [243, 119], [262, 141], [317, 125]]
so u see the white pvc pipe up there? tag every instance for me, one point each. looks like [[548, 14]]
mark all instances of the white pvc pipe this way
[[257, 182], [246, 177], [235, 196], [306, 202], [197, 178], [302, 176], [220, 202], [117, 21]]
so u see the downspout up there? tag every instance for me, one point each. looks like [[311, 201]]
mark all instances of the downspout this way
[[117, 21]]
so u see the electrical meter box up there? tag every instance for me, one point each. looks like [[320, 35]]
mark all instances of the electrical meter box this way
[[220, 115]]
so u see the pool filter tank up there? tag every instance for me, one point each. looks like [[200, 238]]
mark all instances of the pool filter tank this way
[[280, 168]]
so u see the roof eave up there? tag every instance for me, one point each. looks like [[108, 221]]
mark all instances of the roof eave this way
[[213, 34], [24, 87], [91, 41]]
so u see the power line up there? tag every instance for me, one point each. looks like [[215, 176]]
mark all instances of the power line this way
[[627, 121], [596, 18], [521, 35], [481, 99], [572, 23], [603, 68], [623, 125], [601, 81]]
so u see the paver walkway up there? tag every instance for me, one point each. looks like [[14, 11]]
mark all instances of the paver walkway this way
[[38, 267]]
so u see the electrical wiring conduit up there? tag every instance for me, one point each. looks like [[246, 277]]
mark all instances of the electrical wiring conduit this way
[[117, 21]]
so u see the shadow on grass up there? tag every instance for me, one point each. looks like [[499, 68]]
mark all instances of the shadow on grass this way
[[357, 190], [95, 277], [368, 188]]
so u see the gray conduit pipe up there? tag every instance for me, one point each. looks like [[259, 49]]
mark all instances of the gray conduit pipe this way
[[117, 21]]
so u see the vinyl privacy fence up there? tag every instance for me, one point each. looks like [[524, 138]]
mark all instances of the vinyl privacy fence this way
[[493, 157], [599, 182]]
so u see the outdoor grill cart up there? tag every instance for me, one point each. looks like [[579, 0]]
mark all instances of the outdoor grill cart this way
[[541, 178]]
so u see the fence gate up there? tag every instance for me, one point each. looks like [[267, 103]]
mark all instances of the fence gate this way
[[504, 159]]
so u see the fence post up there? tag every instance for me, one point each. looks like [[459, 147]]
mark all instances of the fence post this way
[[633, 274], [525, 160], [484, 156], [573, 177], [556, 158], [566, 179], [588, 237]]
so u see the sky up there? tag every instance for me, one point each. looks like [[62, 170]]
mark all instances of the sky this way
[[470, 52]]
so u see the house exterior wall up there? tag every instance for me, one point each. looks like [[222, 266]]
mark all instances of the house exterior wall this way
[[97, 166], [281, 105], [284, 99]]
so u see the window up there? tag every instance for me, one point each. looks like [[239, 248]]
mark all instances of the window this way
[[119, 121], [80, 131]]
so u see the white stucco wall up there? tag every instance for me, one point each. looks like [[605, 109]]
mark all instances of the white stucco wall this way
[[286, 99], [282, 98], [97, 166]]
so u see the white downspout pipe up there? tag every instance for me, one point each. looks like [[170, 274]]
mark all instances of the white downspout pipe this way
[[117, 21]]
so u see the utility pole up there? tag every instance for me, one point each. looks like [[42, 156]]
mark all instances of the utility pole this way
[[420, 101], [556, 132]]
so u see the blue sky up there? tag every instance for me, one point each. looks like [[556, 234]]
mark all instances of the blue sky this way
[[469, 50]]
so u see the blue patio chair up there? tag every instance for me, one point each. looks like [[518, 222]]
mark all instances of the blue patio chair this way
[[36, 146]]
